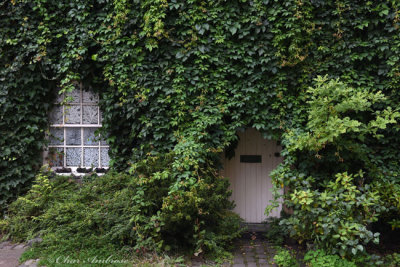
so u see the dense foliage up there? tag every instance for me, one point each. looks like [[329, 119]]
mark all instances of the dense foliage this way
[[320, 258], [24, 103], [123, 212], [184, 76], [344, 188], [285, 258]]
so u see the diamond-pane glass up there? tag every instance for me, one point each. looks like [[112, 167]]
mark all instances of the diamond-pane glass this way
[[56, 136], [73, 115], [73, 136], [73, 156], [56, 115], [104, 157], [89, 138], [90, 115], [56, 157], [91, 157]]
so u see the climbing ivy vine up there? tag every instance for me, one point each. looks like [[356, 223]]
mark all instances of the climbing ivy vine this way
[[185, 76]]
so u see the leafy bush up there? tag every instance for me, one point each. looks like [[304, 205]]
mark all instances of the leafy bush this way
[[392, 260], [24, 218], [285, 258], [116, 210], [336, 217], [276, 233], [336, 186], [319, 258]]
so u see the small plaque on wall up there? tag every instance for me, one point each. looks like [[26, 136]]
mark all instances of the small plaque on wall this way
[[250, 158]]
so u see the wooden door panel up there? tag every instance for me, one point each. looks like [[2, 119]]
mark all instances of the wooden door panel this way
[[250, 182]]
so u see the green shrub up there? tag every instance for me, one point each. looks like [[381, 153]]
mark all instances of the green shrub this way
[[338, 184], [336, 217], [276, 233], [319, 258], [136, 211], [392, 260], [24, 216], [285, 258]]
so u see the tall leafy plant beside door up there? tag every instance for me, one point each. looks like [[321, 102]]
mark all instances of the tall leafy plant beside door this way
[[335, 186]]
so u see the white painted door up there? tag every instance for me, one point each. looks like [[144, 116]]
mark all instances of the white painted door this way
[[250, 182]]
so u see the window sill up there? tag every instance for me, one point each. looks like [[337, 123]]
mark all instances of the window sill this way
[[78, 171]]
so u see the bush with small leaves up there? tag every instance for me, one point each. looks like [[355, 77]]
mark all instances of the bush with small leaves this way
[[285, 258], [119, 210], [319, 258]]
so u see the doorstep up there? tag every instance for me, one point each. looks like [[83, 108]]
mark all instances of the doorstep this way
[[256, 227]]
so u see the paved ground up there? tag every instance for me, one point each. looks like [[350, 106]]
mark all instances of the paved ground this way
[[10, 253], [251, 251]]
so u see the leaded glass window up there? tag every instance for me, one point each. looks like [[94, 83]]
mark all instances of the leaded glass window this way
[[73, 138]]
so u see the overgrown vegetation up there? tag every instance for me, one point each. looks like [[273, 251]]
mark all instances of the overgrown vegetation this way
[[184, 76], [285, 258], [392, 260], [276, 233], [343, 188], [319, 258], [123, 213]]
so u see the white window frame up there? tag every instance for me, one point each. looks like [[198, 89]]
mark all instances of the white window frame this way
[[64, 125]]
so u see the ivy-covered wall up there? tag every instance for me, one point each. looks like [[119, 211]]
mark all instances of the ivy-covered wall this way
[[24, 102], [184, 76]]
